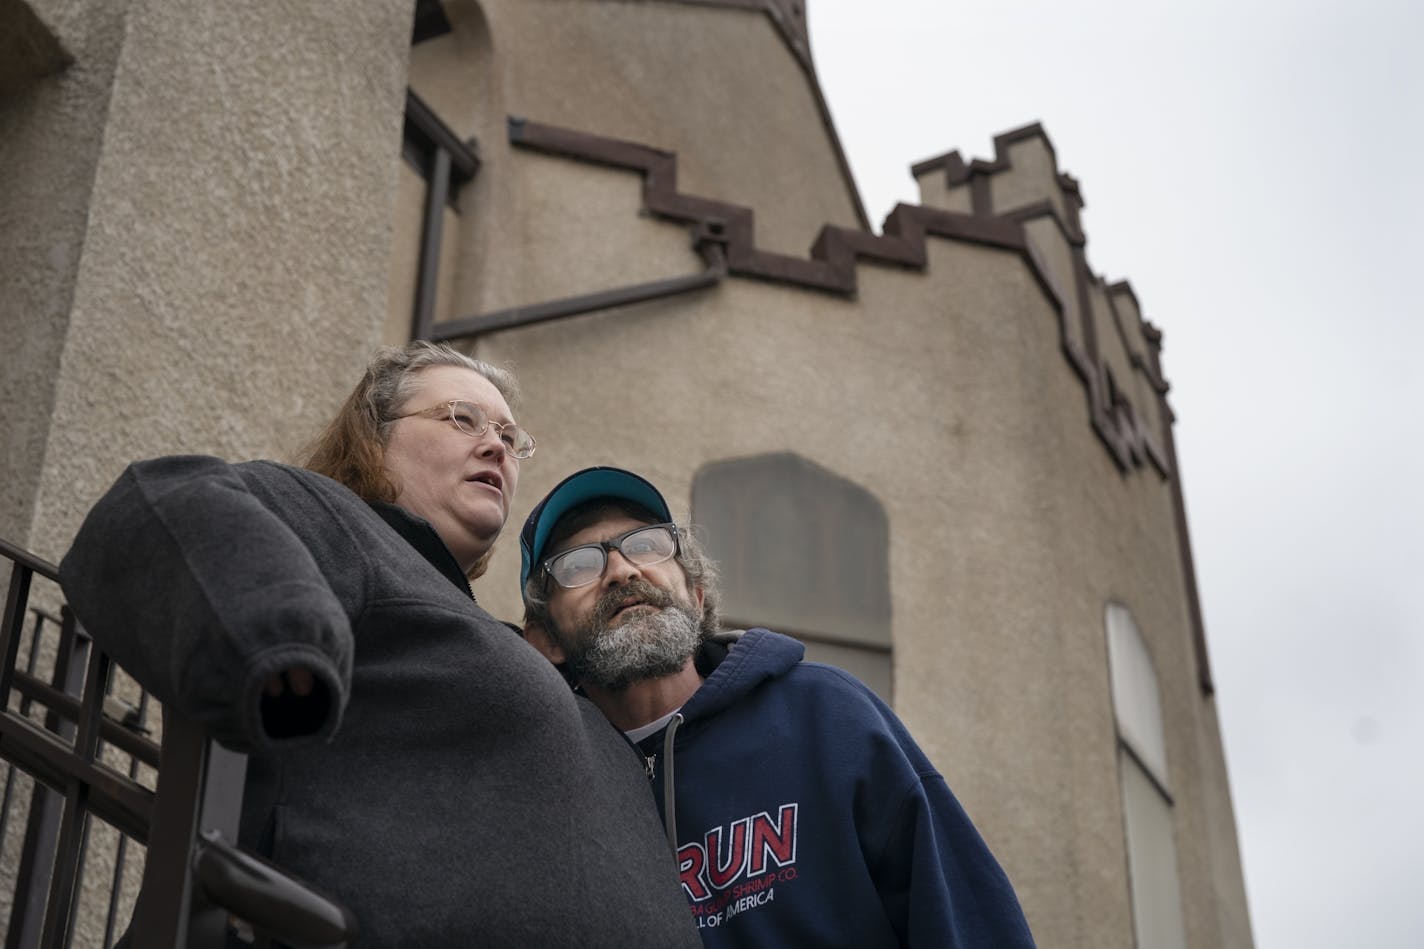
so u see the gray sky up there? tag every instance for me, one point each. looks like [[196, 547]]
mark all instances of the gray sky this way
[[1252, 170]]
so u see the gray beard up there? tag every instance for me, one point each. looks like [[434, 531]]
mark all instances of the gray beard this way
[[644, 646]]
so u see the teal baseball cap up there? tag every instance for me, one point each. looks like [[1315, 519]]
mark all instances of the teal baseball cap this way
[[579, 488]]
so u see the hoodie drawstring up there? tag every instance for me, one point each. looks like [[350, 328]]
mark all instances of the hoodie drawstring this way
[[669, 798]]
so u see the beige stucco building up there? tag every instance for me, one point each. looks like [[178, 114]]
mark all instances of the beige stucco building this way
[[940, 450]]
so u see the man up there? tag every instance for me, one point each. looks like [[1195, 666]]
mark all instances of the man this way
[[801, 810]]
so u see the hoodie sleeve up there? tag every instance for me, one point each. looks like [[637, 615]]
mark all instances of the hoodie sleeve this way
[[938, 881], [201, 591]]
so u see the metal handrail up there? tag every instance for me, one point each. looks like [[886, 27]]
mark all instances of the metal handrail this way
[[194, 882], [28, 560], [270, 900]]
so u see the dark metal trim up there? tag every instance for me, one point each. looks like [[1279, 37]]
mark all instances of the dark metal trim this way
[[428, 132], [1088, 325], [431, 234], [981, 198], [1113, 417], [789, 19], [1117, 423], [445, 163], [1149, 365], [834, 255], [837, 251], [976, 175], [952, 163], [1045, 208], [1184, 546], [788, 16], [834, 258], [589, 302]]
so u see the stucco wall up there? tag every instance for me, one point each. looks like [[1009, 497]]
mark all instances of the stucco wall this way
[[1011, 529], [209, 259], [194, 247], [716, 85], [1029, 177], [935, 193], [51, 127], [235, 253], [643, 71]]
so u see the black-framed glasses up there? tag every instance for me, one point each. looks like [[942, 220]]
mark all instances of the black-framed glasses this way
[[474, 421], [641, 546]]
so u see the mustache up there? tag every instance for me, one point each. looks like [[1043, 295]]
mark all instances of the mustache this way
[[613, 600]]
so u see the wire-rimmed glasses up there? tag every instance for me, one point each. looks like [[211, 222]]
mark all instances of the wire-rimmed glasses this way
[[474, 421]]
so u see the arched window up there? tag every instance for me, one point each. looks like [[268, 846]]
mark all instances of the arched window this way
[[803, 551], [1146, 791]]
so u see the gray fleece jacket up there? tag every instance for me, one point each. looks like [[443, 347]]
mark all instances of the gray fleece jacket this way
[[442, 781]]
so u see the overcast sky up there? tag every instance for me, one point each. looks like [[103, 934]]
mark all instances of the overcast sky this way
[[1253, 169]]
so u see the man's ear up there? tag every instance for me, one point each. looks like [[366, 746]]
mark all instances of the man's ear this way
[[698, 595], [538, 637]]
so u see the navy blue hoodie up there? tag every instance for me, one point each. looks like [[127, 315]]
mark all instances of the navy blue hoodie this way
[[804, 814]]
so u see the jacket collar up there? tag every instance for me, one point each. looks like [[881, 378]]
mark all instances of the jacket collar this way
[[419, 534]]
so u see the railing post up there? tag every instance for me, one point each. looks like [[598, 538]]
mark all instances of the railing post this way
[[35, 876], [199, 788], [68, 863], [12, 626]]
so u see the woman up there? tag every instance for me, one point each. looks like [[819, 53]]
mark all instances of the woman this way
[[410, 755]]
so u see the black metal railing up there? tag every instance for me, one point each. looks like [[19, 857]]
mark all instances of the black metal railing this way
[[78, 747]]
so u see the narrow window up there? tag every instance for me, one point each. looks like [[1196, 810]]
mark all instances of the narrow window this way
[[1146, 791], [804, 552]]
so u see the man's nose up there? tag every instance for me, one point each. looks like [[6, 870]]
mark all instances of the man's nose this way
[[619, 569]]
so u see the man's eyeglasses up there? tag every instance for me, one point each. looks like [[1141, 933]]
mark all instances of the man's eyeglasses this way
[[641, 546], [474, 421]]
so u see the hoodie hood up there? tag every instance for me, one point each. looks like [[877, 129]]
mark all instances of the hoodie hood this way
[[757, 656]]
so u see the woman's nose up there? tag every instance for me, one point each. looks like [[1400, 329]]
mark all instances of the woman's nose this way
[[491, 445]]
